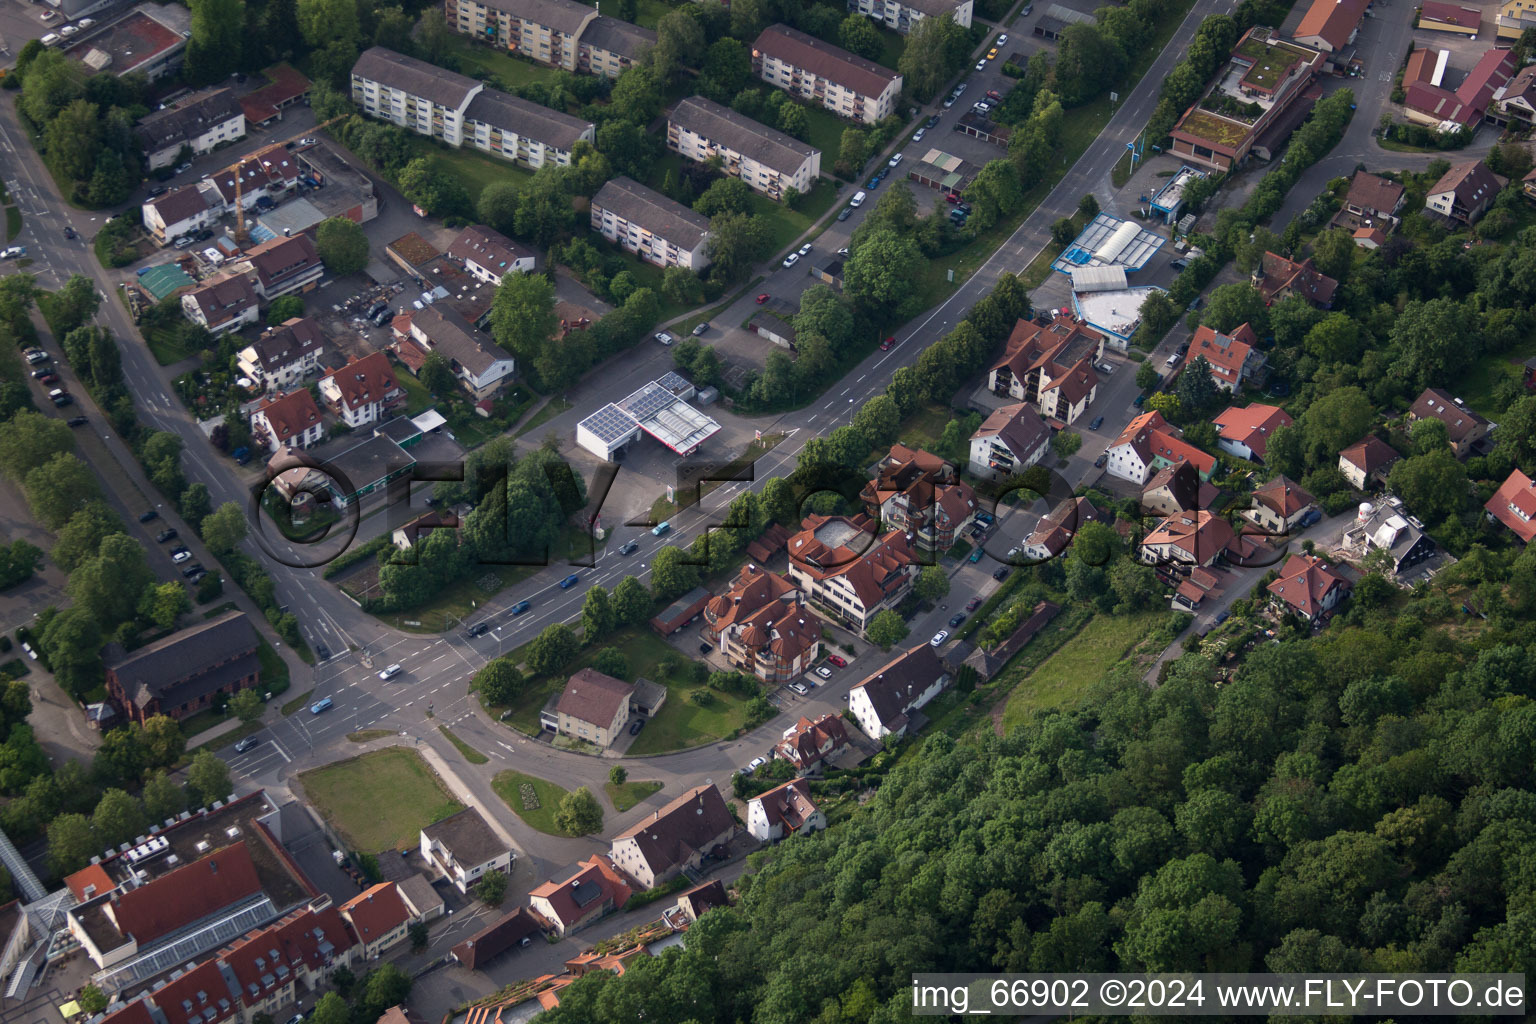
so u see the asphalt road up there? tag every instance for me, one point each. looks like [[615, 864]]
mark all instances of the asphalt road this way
[[431, 691]]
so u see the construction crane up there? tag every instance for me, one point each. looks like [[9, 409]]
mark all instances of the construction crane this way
[[240, 234]]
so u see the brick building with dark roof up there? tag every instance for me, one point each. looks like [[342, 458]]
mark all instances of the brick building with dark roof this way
[[678, 836], [180, 675], [515, 929]]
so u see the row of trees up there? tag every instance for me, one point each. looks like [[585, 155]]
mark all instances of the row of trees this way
[[84, 123]]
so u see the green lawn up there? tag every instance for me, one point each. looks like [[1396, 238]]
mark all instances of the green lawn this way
[[381, 800], [681, 723], [471, 755], [297, 702], [641, 647], [786, 225], [552, 408], [649, 12], [417, 398], [474, 169], [626, 796], [274, 670], [826, 133], [12, 223], [1080, 663], [1476, 385], [892, 43], [513, 71], [547, 796]]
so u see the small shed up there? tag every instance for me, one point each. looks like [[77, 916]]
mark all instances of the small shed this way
[[780, 332], [681, 612]]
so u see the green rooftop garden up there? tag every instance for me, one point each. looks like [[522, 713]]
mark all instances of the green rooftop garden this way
[[1203, 124]]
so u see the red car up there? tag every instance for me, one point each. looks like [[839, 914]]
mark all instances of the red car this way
[[993, 94], [762, 298], [953, 197], [973, 604], [838, 660], [48, 378], [885, 346]]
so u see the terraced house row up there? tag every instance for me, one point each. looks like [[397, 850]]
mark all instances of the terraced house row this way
[[460, 111], [559, 33]]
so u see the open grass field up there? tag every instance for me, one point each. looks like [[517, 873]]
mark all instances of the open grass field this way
[[826, 133], [1063, 678], [474, 169], [381, 800], [540, 811], [626, 796], [491, 60], [681, 723]]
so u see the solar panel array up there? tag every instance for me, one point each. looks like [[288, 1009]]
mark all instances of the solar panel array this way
[[675, 383], [188, 946], [647, 402], [609, 424]]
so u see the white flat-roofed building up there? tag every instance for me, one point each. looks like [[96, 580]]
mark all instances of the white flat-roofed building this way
[[767, 160], [645, 222], [818, 72]]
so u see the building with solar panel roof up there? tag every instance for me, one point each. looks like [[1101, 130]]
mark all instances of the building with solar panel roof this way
[[660, 408]]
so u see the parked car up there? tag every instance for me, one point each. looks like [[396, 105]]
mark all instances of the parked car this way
[[894, 160], [195, 569], [956, 619], [845, 213], [873, 183], [981, 106], [1179, 265], [964, 207], [169, 533], [634, 729], [705, 647], [1001, 574], [994, 96], [36, 355], [858, 198], [973, 604], [917, 136], [1002, 40], [61, 398], [45, 376], [182, 168], [981, 65], [390, 672], [1098, 421], [520, 608], [939, 638], [324, 704], [664, 338], [992, 54], [660, 528], [78, 421], [148, 516], [791, 259], [569, 582], [805, 250], [700, 329], [1312, 517], [13, 252], [802, 691], [1223, 617], [480, 629], [1172, 360], [949, 101], [246, 744], [838, 660], [976, 556], [50, 39], [763, 298], [48, 16], [823, 671], [1098, 463], [758, 762], [843, 251], [629, 547], [1140, 400], [887, 344], [85, 23], [932, 122]]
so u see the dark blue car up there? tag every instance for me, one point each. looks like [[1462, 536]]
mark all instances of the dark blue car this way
[[519, 608], [569, 582]]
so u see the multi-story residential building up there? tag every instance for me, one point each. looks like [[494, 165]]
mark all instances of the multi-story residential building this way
[[883, 702], [1055, 531], [464, 847], [290, 421], [610, 46], [1188, 538], [676, 837], [364, 391], [380, 917], [489, 255], [1048, 362], [903, 15], [179, 212], [1387, 526], [284, 266], [1176, 488], [1266, 77], [596, 889], [1009, 441], [807, 744], [922, 495], [526, 133], [752, 590], [181, 674], [413, 94], [1277, 277], [1233, 358], [1149, 443], [783, 811], [270, 173], [1279, 506], [593, 707], [283, 355], [545, 31], [265, 967], [1514, 505], [481, 365], [1310, 587], [1514, 17], [777, 642], [1244, 432], [1464, 193], [645, 222], [769, 161], [220, 304], [200, 123], [847, 571], [1367, 461], [1464, 428], [1372, 202], [818, 72]]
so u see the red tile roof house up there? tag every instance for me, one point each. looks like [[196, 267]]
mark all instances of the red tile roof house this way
[[883, 704], [364, 391], [1331, 25], [807, 744], [922, 495], [288, 421], [1279, 506], [1044, 355], [1514, 505], [1233, 358], [1245, 432], [762, 626], [1176, 488], [379, 917], [1367, 461], [784, 811], [847, 571], [1009, 441], [676, 837], [1432, 105], [200, 996], [595, 890], [1188, 538], [1277, 277], [1149, 443], [1309, 587], [1463, 427], [1055, 531], [1372, 202]]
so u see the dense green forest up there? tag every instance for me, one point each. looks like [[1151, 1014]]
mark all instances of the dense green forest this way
[[1358, 800]]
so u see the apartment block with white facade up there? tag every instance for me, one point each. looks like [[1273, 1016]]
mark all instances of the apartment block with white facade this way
[[521, 131], [413, 94], [645, 222], [545, 31], [767, 160], [818, 72], [201, 123], [903, 15]]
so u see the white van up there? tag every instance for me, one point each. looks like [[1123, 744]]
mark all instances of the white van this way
[[51, 39], [1172, 360], [857, 200]]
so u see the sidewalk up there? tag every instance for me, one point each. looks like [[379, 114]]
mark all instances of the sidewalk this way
[[207, 735]]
